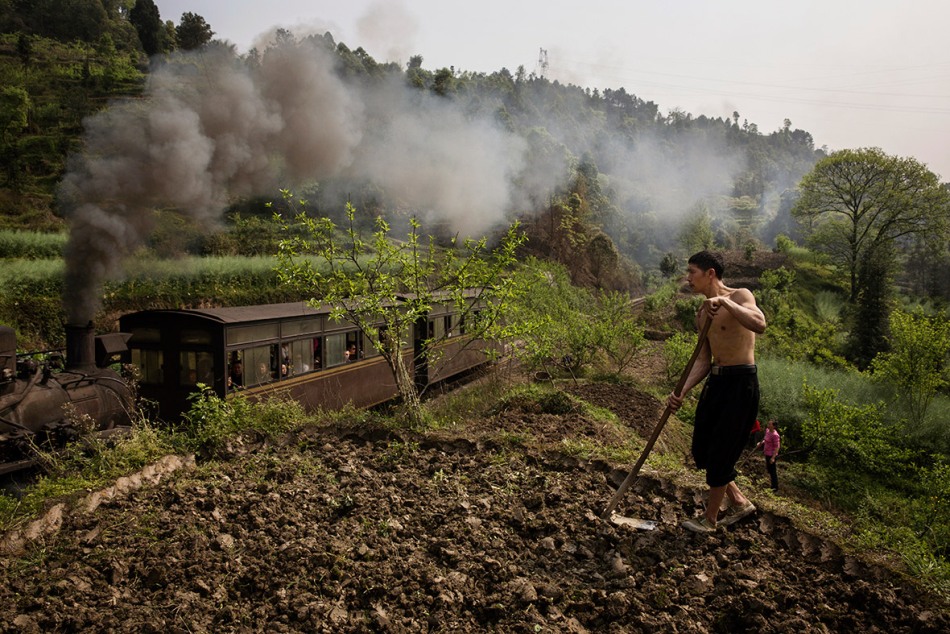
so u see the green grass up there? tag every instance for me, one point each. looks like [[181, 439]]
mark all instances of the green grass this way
[[222, 267], [829, 306], [85, 466], [47, 271], [881, 519], [468, 402], [31, 245]]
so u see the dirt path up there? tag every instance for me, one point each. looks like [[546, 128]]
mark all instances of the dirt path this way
[[338, 532]]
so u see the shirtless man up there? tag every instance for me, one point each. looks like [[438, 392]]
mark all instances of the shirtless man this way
[[729, 401]]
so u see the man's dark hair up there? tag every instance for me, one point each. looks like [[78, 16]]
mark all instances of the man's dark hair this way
[[706, 260]]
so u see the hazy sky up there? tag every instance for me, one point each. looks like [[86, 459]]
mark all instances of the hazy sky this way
[[853, 73]]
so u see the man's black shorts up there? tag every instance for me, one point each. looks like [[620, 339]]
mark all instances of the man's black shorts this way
[[726, 413]]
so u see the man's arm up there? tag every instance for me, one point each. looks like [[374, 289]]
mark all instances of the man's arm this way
[[741, 304]]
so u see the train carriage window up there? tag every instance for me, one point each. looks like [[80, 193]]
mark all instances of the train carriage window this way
[[436, 329], [145, 335], [301, 357], [285, 360], [335, 352], [247, 334], [447, 325], [298, 327], [260, 364], [383, 336], [317, 353], [367, 347], [196, 367], [354, 347], [196, 337], [149, 365], [475, 319], [236, 371]]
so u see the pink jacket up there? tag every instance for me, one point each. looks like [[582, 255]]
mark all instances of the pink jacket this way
[[771, 443]]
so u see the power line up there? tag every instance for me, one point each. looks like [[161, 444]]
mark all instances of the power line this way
[[626, 75]]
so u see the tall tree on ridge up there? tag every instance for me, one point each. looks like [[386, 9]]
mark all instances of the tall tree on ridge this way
[[193, 32], [147, 21], [859, 202]]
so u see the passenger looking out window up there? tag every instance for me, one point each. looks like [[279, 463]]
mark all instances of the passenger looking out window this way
[[263, 373], [236, 374]]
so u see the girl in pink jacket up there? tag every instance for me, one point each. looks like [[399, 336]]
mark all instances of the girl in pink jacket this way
[[770, 445]]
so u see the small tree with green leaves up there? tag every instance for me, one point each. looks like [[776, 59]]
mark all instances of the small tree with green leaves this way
[[696, 233], [916, 366], [385, 286], [621, 335], [555, 319]]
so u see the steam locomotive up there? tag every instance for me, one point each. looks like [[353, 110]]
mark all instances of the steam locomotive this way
[[47, 400], [292, 349]]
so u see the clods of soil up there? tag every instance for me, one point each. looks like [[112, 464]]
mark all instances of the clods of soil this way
[[332, 530]]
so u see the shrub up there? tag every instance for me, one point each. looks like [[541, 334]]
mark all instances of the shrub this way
[[784, 244], [676, 353], [686, 310], [555, 321], [933, 507], [31, 245], [829, 306], [211, 421], [916, 365], [619, 334], [661, 297], [851, 437]]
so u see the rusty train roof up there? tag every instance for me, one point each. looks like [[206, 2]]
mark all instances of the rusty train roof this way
[[262, 312], [240, 314]]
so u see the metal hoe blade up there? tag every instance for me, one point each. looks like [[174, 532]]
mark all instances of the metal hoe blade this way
[[632, 522]]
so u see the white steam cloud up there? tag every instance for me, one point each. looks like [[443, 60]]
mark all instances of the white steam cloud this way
[[209, 129], [700, 168]]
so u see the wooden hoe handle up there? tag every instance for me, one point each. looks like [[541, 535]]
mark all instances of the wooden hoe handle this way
[[632, 476]]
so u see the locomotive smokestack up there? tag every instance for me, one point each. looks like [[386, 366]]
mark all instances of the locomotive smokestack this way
[[80, 347]]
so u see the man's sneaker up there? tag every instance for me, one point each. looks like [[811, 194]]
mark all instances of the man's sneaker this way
[[699, 525], [736, 513]]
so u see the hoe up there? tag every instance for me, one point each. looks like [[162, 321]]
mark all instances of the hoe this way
[[641, 524]]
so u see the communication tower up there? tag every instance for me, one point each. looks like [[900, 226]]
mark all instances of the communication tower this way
[[542, 68]]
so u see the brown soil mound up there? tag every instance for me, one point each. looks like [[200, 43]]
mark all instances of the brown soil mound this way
[[341, 531]]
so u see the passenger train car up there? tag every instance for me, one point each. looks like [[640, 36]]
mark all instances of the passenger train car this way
[[294, 349]]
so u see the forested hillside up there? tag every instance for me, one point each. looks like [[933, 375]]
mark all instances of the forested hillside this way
[[607, 164], [61, 61]]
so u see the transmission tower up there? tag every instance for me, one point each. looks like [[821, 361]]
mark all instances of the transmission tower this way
[[542, 68]]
